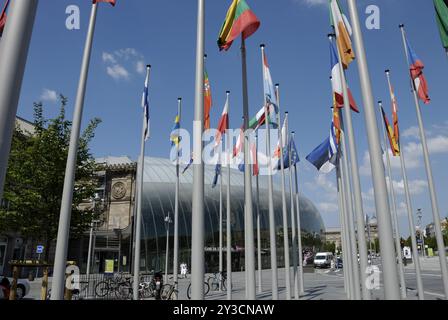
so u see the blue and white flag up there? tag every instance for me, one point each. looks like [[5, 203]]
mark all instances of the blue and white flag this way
[[145, 104], [324, 157]]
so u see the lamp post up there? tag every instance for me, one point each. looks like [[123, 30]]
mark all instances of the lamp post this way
[[167, 226], [93, 224], [422, 237]]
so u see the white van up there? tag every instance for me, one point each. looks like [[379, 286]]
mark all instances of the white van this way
[[323, 260]]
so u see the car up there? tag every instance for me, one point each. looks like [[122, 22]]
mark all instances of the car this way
[[323, 260], [23, 288], [339, 263]]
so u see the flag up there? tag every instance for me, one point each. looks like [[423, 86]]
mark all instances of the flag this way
[[253, 161], [175, 135], [145, 105], [260, 118], [207, 100], [239, 143], [217, 174], [112, 2], [290, 152], [441, 7], [239, 20], [324, 157], [3, 17], [268, 85], [343, 32], [337, 125], [416, 69], [223, 124], [281, 145], [336, 82], [390, 134], [188, 165], [396, 130]]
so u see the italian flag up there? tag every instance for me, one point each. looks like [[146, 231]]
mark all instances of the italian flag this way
[[239, 20], [442, 20]]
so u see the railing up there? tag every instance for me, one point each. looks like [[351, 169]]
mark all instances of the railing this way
[[105, 286]]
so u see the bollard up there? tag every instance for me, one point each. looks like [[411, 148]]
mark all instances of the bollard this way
[[44, 290], [15, 275]]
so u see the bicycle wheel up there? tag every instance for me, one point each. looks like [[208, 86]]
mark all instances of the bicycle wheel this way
[[173, 295], [189, 292], [206, 288], [102, 289], [124, 291], [165, 291]]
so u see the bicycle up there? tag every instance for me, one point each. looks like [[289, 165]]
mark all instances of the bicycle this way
[[169, 291], [120, 286], [206, 290], [216, 279]]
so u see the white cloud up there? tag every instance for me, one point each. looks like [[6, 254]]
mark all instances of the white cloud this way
[[412, 132], [49, 95], [108, 58], [312, 2], [118, 72], [140, 67], [119, 62], [328, 207]]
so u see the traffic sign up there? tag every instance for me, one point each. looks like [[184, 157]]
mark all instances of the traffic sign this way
[[40, 249], [419, 241]]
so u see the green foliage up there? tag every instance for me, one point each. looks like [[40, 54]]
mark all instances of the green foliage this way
[[35, 178]]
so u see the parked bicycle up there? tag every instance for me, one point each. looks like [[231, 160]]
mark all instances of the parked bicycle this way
[[120, 286], [216, 280], [169, 291], [206, 290]]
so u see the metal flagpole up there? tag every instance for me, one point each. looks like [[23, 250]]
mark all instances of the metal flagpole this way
[[272, 234], [343, 232], [415, 257], [356, 183], [346, 213], [284, 208], [14, 46], [167, 243], [89, 252], [197, 235], [260, 267], [60, 259], [138, 219], [350, 216], [220, 220], [228, 215], [293, 225], [176, 203], [299, 231], [394, 214], [410, 216], [432, 191], [390, 272], [249, 227]]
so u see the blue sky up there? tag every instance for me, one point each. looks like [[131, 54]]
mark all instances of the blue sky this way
[[163, 33]]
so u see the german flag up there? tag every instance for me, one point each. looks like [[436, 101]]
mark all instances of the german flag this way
[[390, 133]]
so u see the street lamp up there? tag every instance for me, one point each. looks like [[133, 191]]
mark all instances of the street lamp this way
[[422, 238], [167, 226], [93, 224]]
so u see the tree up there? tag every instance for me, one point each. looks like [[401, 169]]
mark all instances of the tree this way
[[35, 179]]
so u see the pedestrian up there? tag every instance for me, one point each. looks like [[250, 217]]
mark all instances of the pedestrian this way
[[5, 287]]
